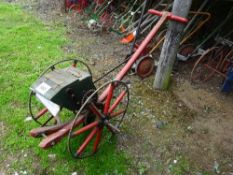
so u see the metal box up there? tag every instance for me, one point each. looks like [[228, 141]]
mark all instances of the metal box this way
[[64, 87]]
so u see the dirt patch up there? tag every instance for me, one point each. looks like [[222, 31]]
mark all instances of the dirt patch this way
[[2, 134], [2, 129], [213, 121]]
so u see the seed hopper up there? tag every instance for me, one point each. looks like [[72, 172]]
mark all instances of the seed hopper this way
[[67, 88]]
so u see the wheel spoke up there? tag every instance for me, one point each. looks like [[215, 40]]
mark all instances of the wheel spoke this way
[[95, 110], [117, 101], [115, 114], [110, 126], [113, 106], [87, 141], [108, 99], [98, 138], [85, 128]]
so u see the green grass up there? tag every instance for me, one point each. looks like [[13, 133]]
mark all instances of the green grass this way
[[182, 167], [27, 46]]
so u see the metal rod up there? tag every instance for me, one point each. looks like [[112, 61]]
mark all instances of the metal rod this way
[[138, 52], [194, 18], [146, 41], [139, 26]]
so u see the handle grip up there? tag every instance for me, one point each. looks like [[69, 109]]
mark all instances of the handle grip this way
[[170, 16]]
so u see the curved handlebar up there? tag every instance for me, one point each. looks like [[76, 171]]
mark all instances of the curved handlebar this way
[[170, 16]]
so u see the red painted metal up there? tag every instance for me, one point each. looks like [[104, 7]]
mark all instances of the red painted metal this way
[[186, 49], [87, 141], [98, 138], [41, 113], [108, 100], [85, 128], [144, 66], [107, 94], [164, 16], [52, 139], [94, 109], [118, 100], [115, 114], [37, 132], [137, 54], [170, 16], [141, 48]]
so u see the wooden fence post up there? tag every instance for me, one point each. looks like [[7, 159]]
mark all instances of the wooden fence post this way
[[171, 45]]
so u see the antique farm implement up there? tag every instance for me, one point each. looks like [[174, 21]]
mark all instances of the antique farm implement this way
[[215, 60], [67, 89]]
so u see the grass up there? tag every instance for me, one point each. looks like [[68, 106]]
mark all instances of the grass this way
[[181, 167], [27, 46]]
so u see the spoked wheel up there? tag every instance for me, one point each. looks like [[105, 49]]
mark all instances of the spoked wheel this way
[[83, 141], [206, 65], [38, 111]]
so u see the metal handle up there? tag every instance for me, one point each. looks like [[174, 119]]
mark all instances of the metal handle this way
[[170, 16]]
